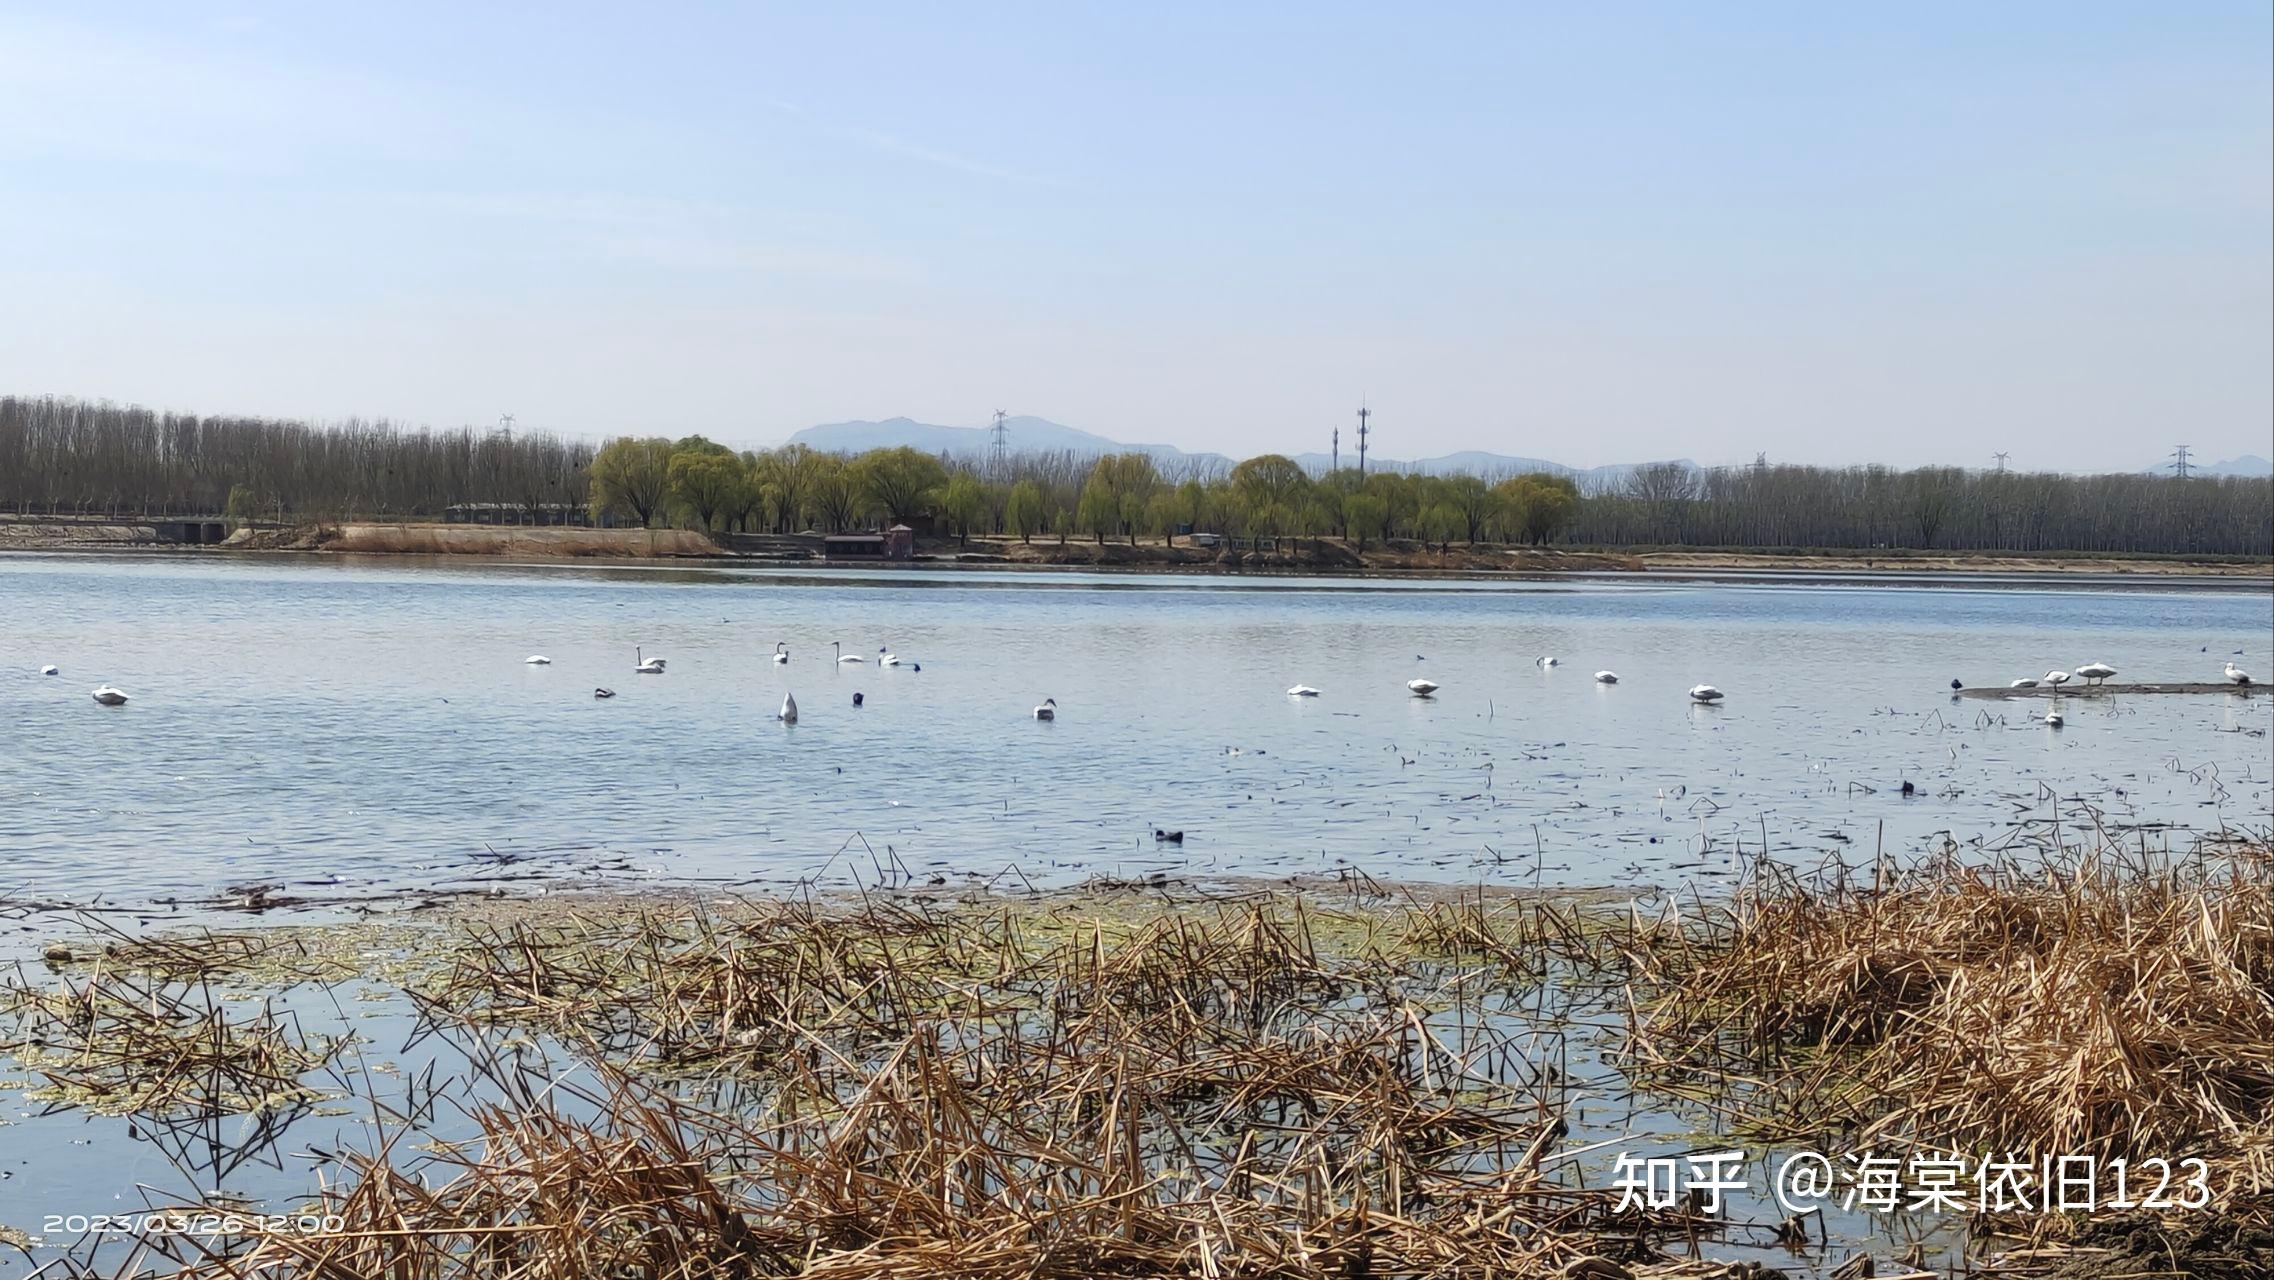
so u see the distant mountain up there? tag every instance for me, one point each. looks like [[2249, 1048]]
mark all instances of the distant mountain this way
[[1027, 435], [1040, 435], [2249, 464]]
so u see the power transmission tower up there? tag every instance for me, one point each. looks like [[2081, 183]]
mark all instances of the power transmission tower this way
[[2179, 461], [505, 424], [2001, 457], [1363, 414], [999, 460], [1336, 464]]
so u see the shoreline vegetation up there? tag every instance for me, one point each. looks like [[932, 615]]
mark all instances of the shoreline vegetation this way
[[124, 464], [1165, 1079], [1305, 555]]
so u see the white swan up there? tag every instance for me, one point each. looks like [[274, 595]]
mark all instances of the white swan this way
[[2095, 672], [647, 666], [1704, 693], [1544, 662], [2053, 718], [1302, 691], [1606, 677], [2236, 675], [885, 657], [1422, 688], [2056, 678], [52, 670], [781, 651], [2024, 683], [536, 660], [843, 656], [1048, 710], [110, 697], [788, 713]]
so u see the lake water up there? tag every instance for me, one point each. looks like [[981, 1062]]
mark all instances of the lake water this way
[[293, 721]]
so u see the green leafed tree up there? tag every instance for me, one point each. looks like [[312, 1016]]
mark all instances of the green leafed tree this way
[[964, 500], [708, 485], [632, 477], [1023, 510], [902, 481]]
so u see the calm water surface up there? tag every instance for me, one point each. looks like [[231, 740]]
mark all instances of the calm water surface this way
[[295, 721]]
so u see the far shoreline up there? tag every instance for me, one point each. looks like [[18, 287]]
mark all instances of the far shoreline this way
[[1306, 557]]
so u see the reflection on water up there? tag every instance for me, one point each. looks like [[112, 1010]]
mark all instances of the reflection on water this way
[[295, 721]]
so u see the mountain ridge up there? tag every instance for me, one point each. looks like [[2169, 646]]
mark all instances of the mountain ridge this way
[[1028, 433]]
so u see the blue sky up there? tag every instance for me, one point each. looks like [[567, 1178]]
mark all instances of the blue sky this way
[[1592, 233]]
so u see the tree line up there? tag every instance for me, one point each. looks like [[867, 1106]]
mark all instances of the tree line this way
[[68, 456]]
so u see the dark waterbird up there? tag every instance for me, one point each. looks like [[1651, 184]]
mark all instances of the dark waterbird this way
[[603, 693], [1167, 837], [1954, 683], [856, 699]]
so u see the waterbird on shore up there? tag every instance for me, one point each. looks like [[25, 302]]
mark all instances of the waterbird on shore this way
[[2024, 683], [536, 660], [1704, 693], [1606, 677], [2055, 678], [109, 696], [843, 656], [52, 670], [2237, 675], [1302, 691], [1422, 688], [781, 651], [647, 666], [603, 693], [2095, 672], [788, 713], [1048, 710]]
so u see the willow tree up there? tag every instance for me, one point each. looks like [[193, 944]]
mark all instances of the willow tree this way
[[902, 480], [632, 477]]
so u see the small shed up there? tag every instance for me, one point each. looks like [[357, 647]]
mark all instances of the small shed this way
[[853, 546], [900, 543]]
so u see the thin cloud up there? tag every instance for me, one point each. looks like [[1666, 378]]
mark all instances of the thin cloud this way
[[893, 144]]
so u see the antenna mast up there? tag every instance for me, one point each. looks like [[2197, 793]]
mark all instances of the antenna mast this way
[[1336, 464], [1363, 414]]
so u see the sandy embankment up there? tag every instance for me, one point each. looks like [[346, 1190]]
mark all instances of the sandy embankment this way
[[482, 540]]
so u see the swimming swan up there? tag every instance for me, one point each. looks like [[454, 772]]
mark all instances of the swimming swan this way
[[110, 697], [1048, 710], [1422, 688]]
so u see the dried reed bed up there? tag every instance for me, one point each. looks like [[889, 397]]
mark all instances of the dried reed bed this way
[[2090, 1004], [1252, 1088], [116, 1041]]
